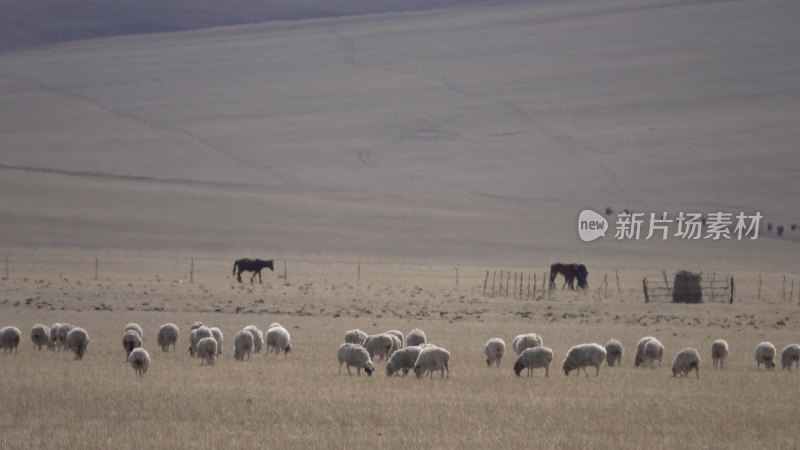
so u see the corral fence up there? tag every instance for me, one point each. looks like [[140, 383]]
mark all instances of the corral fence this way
[[688, 287]]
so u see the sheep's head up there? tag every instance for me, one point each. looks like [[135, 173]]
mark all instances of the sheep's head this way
[[369, 369], [567, 368], [675, 371], [518, 367], [287, 349], [769, 364], [638, 361], [488, 362], [418, 370], [390, 369]]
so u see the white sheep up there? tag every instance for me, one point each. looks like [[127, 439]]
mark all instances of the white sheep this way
[[640, 355], [523, 341], [258, 337], [193, 342], [614, 352], [356, 356], [403, 359], [355, 337], [397, 343], [653, 351], [131, 339], [274, 325], [416, 337], [10, 338], [534, 358], [196, 325], [78, 341], [379, 344], [278, 339], [431, 359], [168, 335], [719, 351], [243, 344], [582, 356], [199, 333], [140, 361], [135, 327], [765, 354], [399, 336], [207, 351], [63, 330], [217, 334], [40, 336], [54, 342], [494, 349], [790, 354], [686, 360]]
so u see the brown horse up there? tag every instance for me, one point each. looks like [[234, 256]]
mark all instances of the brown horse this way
[[570, 273]]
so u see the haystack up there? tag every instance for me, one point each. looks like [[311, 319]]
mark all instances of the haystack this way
[[686, 287]]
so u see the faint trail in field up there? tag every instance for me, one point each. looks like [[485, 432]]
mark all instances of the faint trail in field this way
[[139, 178], [348, 44], [148, 124]]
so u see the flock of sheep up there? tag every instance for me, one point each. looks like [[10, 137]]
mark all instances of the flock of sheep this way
[[401, 353]]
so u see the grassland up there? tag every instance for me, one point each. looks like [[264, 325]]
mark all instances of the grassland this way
[[299, 401]]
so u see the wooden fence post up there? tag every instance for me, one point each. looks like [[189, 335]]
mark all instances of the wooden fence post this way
[[619, 291], [758, 296], [784, 288], [534, 285], [494, 277], [666, 283], [713, 277], [732, 288], [456, 277], [485, 282], [644, 287], [95, 268], [285, 274], [358, 275], [6, 268], [508, 279], [191, 272]]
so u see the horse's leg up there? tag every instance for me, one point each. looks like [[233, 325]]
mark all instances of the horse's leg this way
[[253, 278], [259, 277]]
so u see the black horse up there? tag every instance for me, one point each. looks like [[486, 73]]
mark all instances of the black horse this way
[[251, 265], [570, 273]]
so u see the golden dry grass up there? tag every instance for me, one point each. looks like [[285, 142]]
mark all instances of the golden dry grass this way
[[299, 401]]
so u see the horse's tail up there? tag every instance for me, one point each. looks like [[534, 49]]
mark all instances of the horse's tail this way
[[235, 263]]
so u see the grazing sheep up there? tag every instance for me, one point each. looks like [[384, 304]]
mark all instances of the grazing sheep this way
[[790, 354], [200, 333], [196, 325], [135, 327], [416, 337], [10, 338], [63, 330], [403, 359], [640, 350], [431, 359], [686, 360], [379, 344], [131, 340], [193, 342], [356, 356], [534, 358], [355, 337], [399, 336], [613, 352], [765, 354], [278, 338], [168, 335], [140, 361], [719, 351], [494, 350], [258, 337], [40, 336], [243, 344], [78, 341], [523, 341], [207, 351], [583, 355], [653, 350], [217, 334], [54, 342], [397, 344], [274, 325]]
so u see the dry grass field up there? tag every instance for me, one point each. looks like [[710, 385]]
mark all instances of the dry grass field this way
[[299, 400]]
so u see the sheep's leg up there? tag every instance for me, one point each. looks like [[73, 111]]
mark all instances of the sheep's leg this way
[[547, 371], [597, 367], [259, 277]]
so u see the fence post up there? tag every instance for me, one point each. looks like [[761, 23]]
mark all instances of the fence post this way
[[529, 285], [534, 285], [485, 282], [358, 276], [508, 279], [784, 288], [6, 268], [758, 296], [95, 268], [732, 289], [619, 291], [191, 272], [605, 283], [713, 276], [285, 274], [456, 277], [494, 277], [669, 291], [644, 287]]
